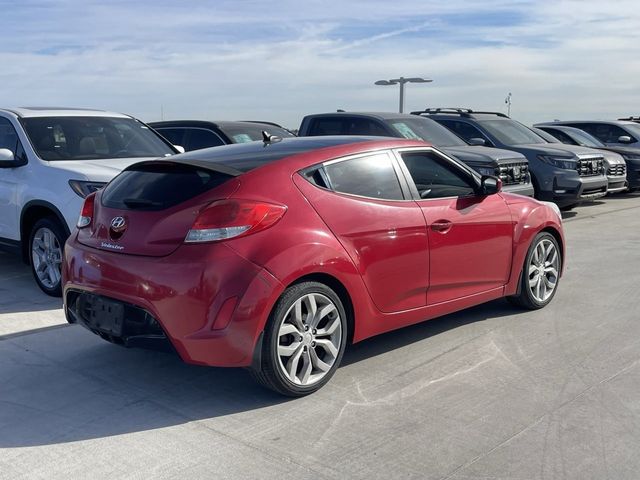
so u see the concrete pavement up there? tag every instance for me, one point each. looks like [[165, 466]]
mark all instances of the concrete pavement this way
[[491, 392]]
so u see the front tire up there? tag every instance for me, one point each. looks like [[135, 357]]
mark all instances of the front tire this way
[[540, 273], [304, 340], [46, 244]]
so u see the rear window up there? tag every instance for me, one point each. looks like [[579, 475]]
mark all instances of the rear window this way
[[159, 186]]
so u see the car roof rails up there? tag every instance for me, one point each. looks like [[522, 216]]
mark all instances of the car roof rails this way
[[630, 118], [464, 112]]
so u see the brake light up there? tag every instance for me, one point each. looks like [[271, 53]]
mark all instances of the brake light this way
[[86, 214], [233, 218]]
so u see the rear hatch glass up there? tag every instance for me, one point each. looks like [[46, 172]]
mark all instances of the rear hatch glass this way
[[149, 208], [158, 186]]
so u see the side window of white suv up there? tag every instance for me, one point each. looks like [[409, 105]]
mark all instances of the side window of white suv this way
[[9, 139]]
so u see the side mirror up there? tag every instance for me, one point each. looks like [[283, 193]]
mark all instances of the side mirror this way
[[477, 141], [624, 139], [180, 148], [490, 185], [7, 159]]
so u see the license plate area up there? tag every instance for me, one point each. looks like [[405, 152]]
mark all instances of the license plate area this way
[[104, 315]]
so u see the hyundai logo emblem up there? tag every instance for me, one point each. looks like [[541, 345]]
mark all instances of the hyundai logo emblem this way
[[118, 224]]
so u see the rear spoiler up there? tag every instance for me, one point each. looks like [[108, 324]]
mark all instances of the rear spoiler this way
[[211, 166]]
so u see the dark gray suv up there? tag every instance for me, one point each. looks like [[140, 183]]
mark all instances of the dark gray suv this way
[[613, 159], [622, 137], [510, 167], [564, 174]]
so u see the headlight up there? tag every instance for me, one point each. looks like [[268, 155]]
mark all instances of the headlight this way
[[84, 188], [485, 170], [630, 156], [568, 163]]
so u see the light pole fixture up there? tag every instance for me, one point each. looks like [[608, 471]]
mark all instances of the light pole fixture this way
[[401, 81], [508, 102]]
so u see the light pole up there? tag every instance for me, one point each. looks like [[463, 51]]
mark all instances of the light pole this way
[[508, 102], [401, 81]]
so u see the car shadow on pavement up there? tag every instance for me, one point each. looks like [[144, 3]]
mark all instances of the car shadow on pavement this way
[[390, 341], [66, 385], [18, 290]]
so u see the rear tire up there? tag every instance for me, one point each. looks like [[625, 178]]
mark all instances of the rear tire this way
[[46, 247], [304, 340], [540, 273]]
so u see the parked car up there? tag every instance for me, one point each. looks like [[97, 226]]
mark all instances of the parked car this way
[[197, 134], [274, 255], [50, 160], [618, 137], [563, 174], [511, 167], [611, 132], [615, 164]]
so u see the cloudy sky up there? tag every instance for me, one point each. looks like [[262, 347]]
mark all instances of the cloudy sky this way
[[278, 60]]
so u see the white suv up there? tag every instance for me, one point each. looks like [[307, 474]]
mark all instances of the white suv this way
[[50, 159]]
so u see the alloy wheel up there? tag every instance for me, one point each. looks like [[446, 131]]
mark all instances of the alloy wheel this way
[[309, 339], [543, 270], [46, 257]]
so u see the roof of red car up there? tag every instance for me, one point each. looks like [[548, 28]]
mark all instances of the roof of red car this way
[[247, 156]]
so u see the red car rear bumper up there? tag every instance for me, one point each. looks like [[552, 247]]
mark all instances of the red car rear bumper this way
[[211, 303]]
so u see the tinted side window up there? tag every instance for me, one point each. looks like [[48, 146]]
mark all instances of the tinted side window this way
[[604, 132], [371, 176], [435, 177], [9, 139], [362, 126], [8, 135], [326, 126], [463, 130], [174, 135], [200, 138]]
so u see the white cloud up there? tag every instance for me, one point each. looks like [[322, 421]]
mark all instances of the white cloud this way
[[280, 60]]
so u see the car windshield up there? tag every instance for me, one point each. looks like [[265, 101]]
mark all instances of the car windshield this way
[[93, 138], [510, 132], [546, 135], [584, 138], [250, 132], [425, 129]]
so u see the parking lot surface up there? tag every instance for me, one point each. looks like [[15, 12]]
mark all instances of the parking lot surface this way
[[491, 392]]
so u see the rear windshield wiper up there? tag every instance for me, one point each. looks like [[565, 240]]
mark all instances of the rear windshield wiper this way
[[141, 203]]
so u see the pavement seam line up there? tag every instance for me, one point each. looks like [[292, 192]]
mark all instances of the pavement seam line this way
[[540, 418]]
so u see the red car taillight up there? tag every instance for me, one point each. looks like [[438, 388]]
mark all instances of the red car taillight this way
[[86, 214], [233, 218]]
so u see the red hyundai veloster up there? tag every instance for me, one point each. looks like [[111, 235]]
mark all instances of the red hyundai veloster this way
[[276, 254]]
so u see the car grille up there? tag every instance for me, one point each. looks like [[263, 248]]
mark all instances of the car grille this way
[[514, 173], [617, 170], [591, 166]]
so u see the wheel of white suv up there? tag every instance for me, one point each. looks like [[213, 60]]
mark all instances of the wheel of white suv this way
[[304, 340], [46, 245], [540, 274]]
